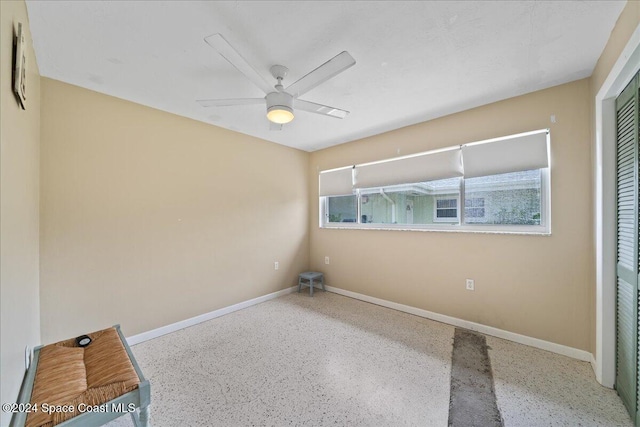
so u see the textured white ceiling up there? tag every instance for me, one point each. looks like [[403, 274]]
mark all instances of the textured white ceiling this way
[[415, 60]]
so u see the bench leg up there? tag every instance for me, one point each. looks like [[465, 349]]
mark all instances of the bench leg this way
[[144, 416], [311, 286], [135, 418], [322, 283], [299, 284]]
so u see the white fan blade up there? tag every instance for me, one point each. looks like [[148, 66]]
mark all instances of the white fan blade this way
[[329, 69], [228, 102], [227, 51], [312, 107], [274, 126]]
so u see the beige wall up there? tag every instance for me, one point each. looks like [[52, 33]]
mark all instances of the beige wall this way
[[148, 218], [627, 22], [532, 285], [19, 205]]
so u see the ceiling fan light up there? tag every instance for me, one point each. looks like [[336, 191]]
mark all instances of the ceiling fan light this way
[[280, 114]]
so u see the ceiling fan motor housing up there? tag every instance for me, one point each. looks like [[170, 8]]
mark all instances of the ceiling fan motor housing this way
[[279, 101]]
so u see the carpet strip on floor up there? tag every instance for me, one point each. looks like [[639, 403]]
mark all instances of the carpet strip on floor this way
[[473, 398]]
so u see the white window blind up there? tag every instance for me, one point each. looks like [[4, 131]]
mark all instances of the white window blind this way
[[410, 169], [336, 182], [519, 153]]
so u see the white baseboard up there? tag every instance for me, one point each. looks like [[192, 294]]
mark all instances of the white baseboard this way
[[575, 353], [488, 330], [155, 333], [594, 365]]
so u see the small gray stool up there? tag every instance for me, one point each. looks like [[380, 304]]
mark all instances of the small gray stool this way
[[307, 278]]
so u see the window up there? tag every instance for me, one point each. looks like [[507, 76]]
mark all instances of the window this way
[[408, 204], [473, 208], [446, 210], [342, 209], [508, 199], [503, 187]]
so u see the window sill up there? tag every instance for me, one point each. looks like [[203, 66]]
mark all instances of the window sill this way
[[529, 231]]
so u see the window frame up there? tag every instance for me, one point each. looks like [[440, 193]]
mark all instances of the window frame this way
[[544, 228]]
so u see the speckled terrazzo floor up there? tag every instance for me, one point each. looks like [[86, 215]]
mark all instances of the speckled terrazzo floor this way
[[332, 360], [538, 388]]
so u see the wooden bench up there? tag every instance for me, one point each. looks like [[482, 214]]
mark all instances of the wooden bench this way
[[68, 385]]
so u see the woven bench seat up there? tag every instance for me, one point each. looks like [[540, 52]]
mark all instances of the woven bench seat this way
[[85, 385]]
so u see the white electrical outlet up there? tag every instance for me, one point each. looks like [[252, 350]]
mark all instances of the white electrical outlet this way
[[276, 265], [471, 285], [326, 260]]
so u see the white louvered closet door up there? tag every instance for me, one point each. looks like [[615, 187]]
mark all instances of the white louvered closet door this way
[[627, 117]]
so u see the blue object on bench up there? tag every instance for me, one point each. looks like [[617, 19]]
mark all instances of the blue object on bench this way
[[307, 278]]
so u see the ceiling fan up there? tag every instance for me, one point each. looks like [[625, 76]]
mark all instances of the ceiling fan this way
[[280, 101]]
